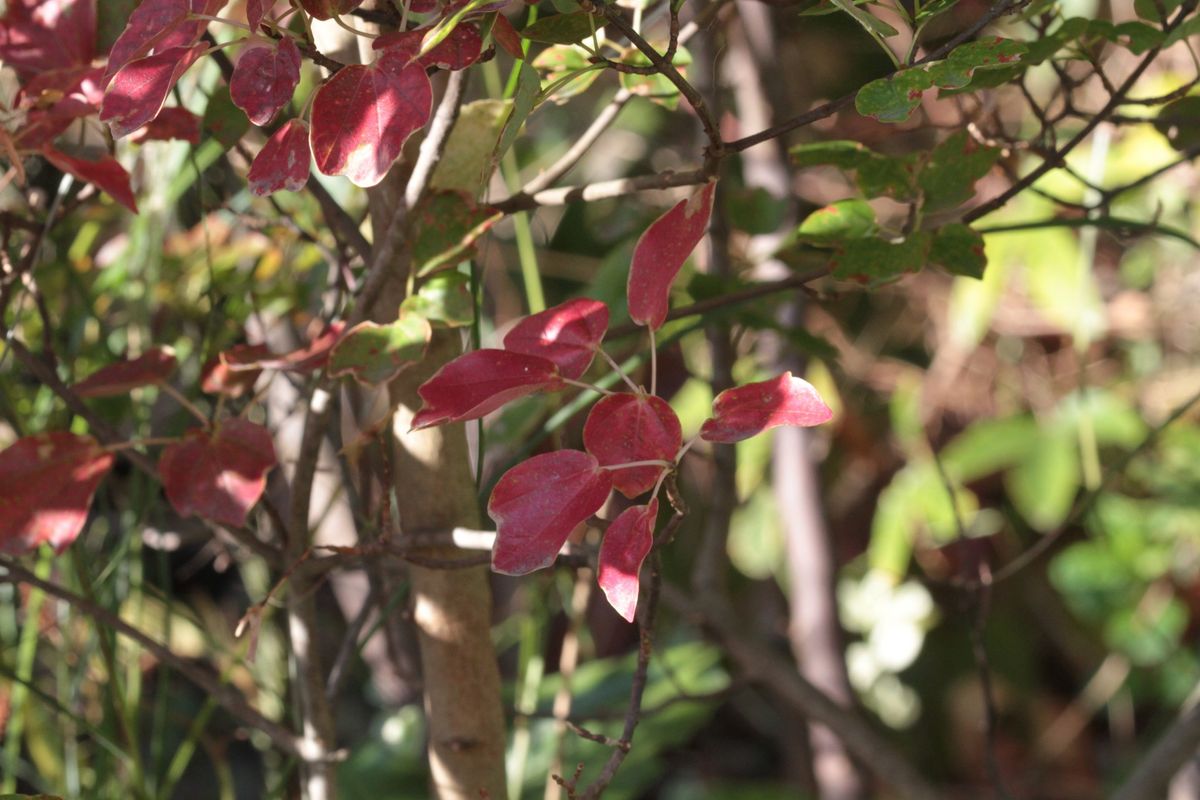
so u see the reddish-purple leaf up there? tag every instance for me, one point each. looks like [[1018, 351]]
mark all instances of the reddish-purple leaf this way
[[507, 37], [221, 375], [265, 78], [627, 427], [312, 356], [256, 10], [149, 369], [328, 9], [38, 36], [660, 253], [537, 504], [283, 163], [137, 92], [218, 475], [745, 411], [626, 544], [479, 382], [457, 51], [46, 486], [106, 173], [156, 26], [173, 122], [362, 116], [567, 334], [402, 44]]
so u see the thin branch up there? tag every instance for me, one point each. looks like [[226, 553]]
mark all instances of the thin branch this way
[[601, 190], [434, 144], [582, 145], [1174, 748]]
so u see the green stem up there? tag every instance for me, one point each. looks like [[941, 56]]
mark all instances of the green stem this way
[[26, 653]]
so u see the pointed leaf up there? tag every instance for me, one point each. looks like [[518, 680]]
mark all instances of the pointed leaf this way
[[46, 486], [537, 504], [149, 369], [507, 37], [479, 382], [265, 78], [459, 50], [374, 354], [106, 173], [138, 91], [255, 11], [746, 411], [631, 427], [310, 358], [38, 36], [218, 475], [156, 26], [626, 544], [362, 116], [563, 28], [284, 162], [661, 251], [567, 334], [220, 376]]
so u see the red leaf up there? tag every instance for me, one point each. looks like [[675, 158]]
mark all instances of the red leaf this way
[[328, 9], [174, 122], [312, 356], [137, 93], [46, 35], [265, 78], [105, 173], [507, 37], [626, 544], [567, 334], [284, 161], [46, 486], [661, 251], [256, 10], [362, 116], [457, 51], [149, 369], [479, 382], [537, 504], [219, 375], [156, 26], [218, 475], [630, 427], [745, 411]]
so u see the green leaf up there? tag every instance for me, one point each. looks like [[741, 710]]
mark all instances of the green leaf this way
[[892, 99], [1184, 31], [840, 153], [956, 70], [444, 298], [879, 260], [845, 219], [563, 28], [754, 210], [529, 87], [1179, 121], [878, 175], [656, 87], [1044, 484], [374, 354], [948, 178], [958, 249], [989, 446], [446, 226], [934, 8], [870, 22], [1148, 9], [467, 162]]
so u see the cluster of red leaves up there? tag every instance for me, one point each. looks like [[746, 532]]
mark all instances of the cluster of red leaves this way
[[631, 439], [215, 471]]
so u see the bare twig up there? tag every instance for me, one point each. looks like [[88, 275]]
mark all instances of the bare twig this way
[[434, 144]]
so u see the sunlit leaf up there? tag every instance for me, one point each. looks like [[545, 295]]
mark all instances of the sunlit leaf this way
[[444, 298], [568, 334], [137, 92], [537, 504], [149, 369], [265, 78], [373, 354], [661, 251], [46, 487], [218, 475], [627, 427], [284, 162], [626, 544], [745, 411], [479, 382], [106, 173]]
